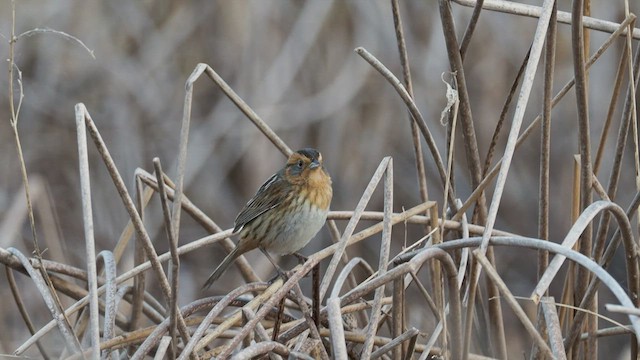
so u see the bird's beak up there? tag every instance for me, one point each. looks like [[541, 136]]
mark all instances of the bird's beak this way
[[314, 164]]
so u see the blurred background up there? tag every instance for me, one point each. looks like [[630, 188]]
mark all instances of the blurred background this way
[[293, 63]]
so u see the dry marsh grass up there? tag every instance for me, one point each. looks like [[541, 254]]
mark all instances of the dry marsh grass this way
[[485, 171]]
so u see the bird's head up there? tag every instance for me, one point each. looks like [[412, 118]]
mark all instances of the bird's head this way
[[306, 166]]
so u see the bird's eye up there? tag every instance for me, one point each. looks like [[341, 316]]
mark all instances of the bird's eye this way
[[300, 164]]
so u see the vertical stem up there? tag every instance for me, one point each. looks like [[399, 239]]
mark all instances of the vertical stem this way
[[90, 253], [578, 46], [174, 270], [545, 154], [436, 272], [398, 315], [406, 75], [14, 113], [139, 281], [398, 289], [612, 107], [466, 119], [545, 142], [367, 347], [14, 126], [466, 39], [591, 344]]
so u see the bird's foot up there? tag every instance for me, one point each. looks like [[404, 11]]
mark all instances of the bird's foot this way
[[281, 274], [301, 258]]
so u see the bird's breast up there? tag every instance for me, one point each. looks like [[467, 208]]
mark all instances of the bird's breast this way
[[318, 189], [297, 230]]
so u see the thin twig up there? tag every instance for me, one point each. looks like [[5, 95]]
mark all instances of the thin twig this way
[[62, 34], [175, 259]]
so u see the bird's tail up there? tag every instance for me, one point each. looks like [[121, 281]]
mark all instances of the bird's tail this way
[[222, 267]]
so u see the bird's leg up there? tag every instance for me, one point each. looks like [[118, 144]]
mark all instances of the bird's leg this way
[[301, 258], [281, 273]]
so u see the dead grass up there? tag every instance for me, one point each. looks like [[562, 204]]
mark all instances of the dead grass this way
[[472, 231]]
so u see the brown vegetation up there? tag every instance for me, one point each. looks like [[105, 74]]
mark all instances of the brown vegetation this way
[[504, 225]]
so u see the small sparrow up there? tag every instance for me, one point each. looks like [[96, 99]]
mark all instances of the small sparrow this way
[[286, 213]]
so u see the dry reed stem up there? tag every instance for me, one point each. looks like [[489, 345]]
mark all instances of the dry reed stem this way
[[395, 343], [525, 134], [385, 245], [342, 244], [409, 217], [398, 316], [413, 266], [336, 327], [466, 119], [545, 137], [162, 348], [553, 327], [406, 75], [120, 279], [570, 254], [578, 228], [468, 33], [24, 313], [71, 341], [523, 98], [579, 37], [259, 331], [360, 236], [195, 245], [503, 114], [87, 221], [564, 17], [413, 109], [511, 301], [268, 304], [139, 282], [173, 247], [111, 309], [622, 310], [199, 341], [141, 232], [617, 87], [313, 326], [604, 261], [266, 347]]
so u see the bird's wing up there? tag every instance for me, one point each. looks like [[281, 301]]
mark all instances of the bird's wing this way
[[263, 201]]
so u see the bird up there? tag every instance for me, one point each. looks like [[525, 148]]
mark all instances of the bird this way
[[286, 212]]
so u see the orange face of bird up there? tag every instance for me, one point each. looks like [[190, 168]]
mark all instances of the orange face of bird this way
[[302, 165], [305, 167]]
